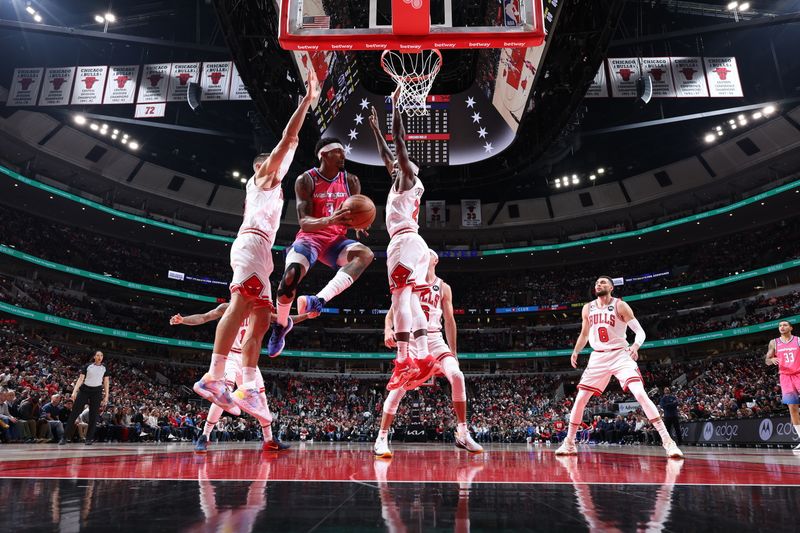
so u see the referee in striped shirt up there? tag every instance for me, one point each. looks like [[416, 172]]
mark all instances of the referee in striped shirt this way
[[92, 388]]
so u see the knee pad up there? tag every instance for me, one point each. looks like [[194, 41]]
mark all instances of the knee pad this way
[[290, 280]]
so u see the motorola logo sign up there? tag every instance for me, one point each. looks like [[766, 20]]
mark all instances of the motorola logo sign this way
[[708, 431], [785, 429], [765, 429]]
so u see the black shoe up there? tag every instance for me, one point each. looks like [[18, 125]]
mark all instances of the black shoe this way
[[62, 442], [89, 442]]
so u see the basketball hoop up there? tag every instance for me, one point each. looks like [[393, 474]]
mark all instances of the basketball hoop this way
[[414, 72]]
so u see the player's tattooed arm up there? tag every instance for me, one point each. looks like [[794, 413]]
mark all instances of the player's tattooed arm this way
[[583, 338], [304, 191], [383, 148], [199, 319], [770, 357]]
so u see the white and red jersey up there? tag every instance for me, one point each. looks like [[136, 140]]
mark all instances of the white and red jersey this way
[[431, 300], [606, 327], [788, 354], [236, 348], [328, 196], [402, 209], [262, 210]]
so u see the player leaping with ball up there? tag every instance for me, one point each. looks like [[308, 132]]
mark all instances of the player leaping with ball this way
[[605, 321], [407, 255]]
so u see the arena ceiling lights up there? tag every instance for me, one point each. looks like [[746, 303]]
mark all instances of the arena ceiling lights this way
[[739, 121], [103, 129], [576, 179]]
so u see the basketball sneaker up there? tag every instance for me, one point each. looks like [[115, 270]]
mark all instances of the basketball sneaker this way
[[251, 402], [427, 367], [310, 304], [402, 373], [381, 449], [673, 452], [465, 442], [277, 341], [274, 445], [215, 391], [201, 446], [567, 448]]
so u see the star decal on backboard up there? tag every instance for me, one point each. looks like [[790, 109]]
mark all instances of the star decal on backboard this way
[[359, 118], [353, 134], [470, 102], [347, 149], [476, 117], [488, 147], [482, 133], [364, 103]]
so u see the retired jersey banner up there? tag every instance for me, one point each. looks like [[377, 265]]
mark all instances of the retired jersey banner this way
[[689, 77], [153, 87], [723, 77], [238, 89], [121, 84], [89, 85], [659, 70], [599, 86], [216, 80], [624, 71], [470, 213], [57, 86], [182, 75], [24, 86], [435, 213]]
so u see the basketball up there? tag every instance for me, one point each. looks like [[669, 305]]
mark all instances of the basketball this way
[[362, 211]]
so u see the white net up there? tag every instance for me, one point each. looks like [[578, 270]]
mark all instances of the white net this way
[[414, 72]]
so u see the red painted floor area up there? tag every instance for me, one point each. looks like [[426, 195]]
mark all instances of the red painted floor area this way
[[414, 465]]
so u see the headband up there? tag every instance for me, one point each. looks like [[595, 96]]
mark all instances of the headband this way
[[328, 148]]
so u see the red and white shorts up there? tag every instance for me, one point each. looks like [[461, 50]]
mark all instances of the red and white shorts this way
[[233, 372], [603, 365], [407, 260], [251, 261]]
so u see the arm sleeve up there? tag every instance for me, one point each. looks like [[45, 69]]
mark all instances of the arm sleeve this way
[[638, 330]]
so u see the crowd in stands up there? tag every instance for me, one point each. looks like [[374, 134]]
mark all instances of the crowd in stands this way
[[151, 401]]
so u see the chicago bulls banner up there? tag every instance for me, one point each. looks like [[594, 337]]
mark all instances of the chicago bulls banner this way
[[216, 80], [470, 213], [24, 86], [599, 86], [153, 86], [624, 71], [659, 69], [238, 89], [57, 86], [435, 214], [689, 77], [89, 85], [182, 75], [723, 77], [121, 84]]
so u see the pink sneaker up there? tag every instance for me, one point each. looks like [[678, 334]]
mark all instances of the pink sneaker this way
[[215, 391]]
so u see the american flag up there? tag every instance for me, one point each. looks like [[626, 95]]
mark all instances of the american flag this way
[[317, 22]]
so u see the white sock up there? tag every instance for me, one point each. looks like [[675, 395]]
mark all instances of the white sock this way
[[249, 377], [421, 344], [402, 351], [214, 414], [383, 434], [797, 429], [217, 368], [658, 423], [461, 428], [267, 432], [335, 286], [283, 313]]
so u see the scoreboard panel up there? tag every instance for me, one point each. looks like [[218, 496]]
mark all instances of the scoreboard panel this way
[[427, 136]]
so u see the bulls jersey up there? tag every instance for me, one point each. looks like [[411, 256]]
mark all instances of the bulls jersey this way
[[236, 349], [431, 300], [788, 354], [402, 209], [606, 327], [262, 210], [327, 197]]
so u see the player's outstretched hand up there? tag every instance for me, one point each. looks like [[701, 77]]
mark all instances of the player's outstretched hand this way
[[772, 361], [396, 96], [361, 233], [373, 119], [340, 216], [175, 320], [312, 89], [388, 339], [574, 360]]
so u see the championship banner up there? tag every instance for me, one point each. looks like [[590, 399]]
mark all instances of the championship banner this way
[[689, 78], [216, 80], [624, 72], [659, 69], [57, 86], [471, 213], [181, 76], [599, 86], [89, 85], [238, 89], [435, 213], [24, 86], [153, 87], [723, 77], [121, 84]]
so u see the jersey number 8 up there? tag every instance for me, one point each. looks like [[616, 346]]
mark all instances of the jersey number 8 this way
[[602, 334]]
